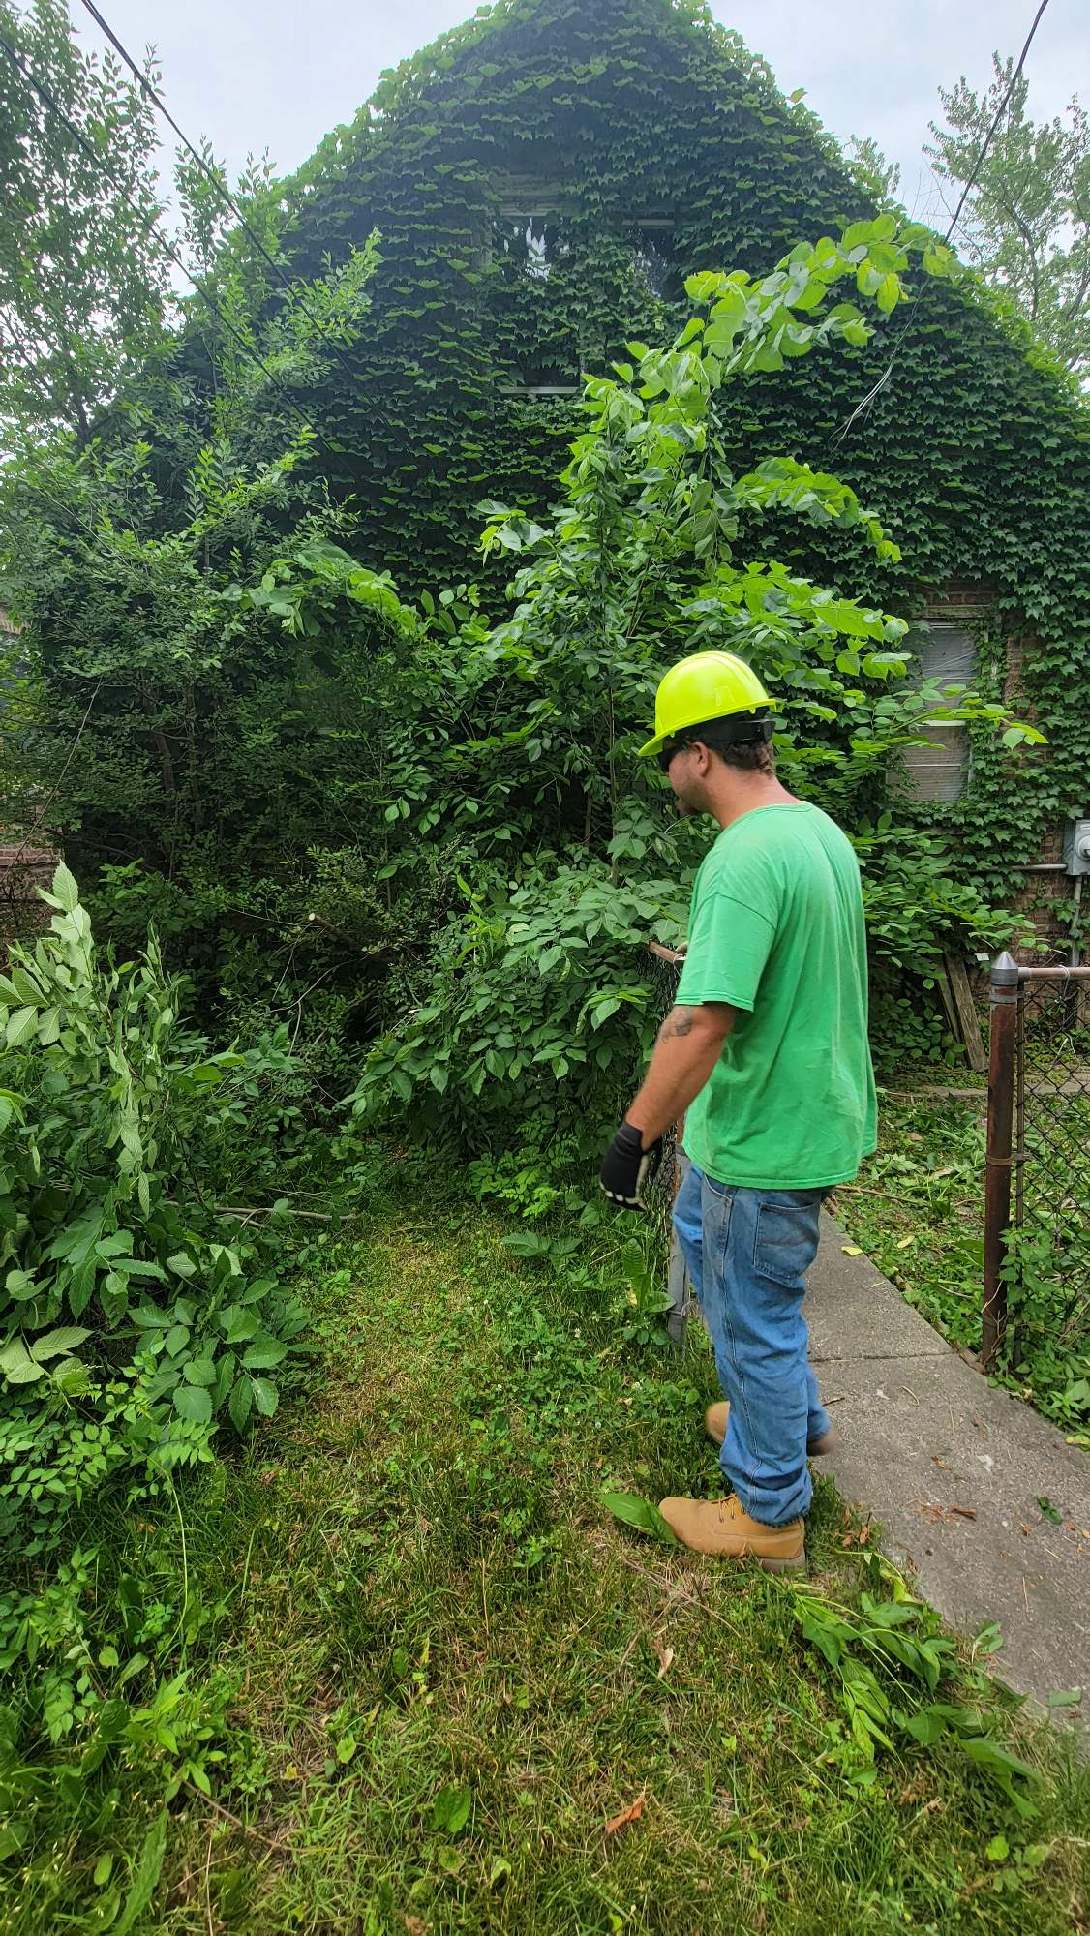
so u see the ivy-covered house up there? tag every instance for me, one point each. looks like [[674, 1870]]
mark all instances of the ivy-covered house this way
[[542, 180]]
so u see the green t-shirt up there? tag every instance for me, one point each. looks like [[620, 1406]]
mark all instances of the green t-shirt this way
[[776, 930]]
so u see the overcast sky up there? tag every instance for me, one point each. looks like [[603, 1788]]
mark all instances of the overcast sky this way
[[278, 74]]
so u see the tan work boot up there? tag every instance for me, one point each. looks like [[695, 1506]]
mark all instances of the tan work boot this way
[[715, 1424], [721, 1528]]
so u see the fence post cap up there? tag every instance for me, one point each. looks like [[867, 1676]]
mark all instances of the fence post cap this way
[[1004, 971]]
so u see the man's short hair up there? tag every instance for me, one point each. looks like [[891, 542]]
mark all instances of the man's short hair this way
[[748, 752]]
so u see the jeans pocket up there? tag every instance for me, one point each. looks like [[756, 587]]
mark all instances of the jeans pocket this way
[[785, 1241], [716, 1206]]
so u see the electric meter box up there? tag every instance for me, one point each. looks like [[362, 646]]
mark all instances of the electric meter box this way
[[1077, 846]]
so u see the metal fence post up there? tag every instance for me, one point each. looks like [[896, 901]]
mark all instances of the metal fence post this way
[[1003, 999]]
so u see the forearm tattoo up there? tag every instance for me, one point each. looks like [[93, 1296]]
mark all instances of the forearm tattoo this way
[[678, 1022]]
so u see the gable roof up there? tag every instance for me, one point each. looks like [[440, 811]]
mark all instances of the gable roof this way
[[618, 110]]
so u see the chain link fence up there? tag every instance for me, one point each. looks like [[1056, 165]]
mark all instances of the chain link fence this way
[[1037, 1184], [663, 966]]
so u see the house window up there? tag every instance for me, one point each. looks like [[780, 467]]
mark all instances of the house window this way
[[654, 257], [560, 276], [946, 654], [532, 243]]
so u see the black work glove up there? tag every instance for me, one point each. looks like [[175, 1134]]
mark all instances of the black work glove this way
[[627, 1168]]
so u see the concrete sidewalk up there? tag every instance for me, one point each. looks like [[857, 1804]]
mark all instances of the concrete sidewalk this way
[[922, 1432]]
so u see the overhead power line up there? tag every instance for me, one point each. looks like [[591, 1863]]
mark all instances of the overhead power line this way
[[996, 119], [213, 176], [46, 94], [864, 403]]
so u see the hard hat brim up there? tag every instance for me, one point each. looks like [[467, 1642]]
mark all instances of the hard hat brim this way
[[654, 745]]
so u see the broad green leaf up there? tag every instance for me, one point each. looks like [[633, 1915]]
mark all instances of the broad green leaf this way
[[265, 1355], [199, 1371], [17, 1365], [193, 1402], [239, 1325], [640, 1514], [65, 889], [451, 1810], [240, 1403], [266, 1396], [700, 287], [20, 1027], [72, 1377], [65, 1338]]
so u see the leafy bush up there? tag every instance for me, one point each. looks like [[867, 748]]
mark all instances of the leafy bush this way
[[566, 863], [121, 1293], [135, 1321], [421, 837]]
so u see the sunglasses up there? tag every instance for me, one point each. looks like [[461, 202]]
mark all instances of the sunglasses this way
[[670, 752]]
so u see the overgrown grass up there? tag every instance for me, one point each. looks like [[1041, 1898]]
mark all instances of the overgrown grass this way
[[409, 1606], [917, 1208]]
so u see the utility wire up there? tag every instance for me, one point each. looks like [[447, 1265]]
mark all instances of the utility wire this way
[[864, 403], [93, 154], [210, 174]]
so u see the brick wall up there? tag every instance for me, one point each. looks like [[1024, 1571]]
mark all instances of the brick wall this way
[[23, 868]]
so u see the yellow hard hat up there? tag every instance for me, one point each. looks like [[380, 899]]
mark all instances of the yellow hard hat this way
[[704, 686]]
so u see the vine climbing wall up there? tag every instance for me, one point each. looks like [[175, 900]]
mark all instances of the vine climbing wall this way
[[542, 180]]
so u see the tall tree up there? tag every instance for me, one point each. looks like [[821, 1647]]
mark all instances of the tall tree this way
[[83, 270], [1026, 220], [877, 177]]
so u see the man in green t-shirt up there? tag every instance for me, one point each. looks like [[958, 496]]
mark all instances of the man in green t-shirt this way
[[766, 1056]]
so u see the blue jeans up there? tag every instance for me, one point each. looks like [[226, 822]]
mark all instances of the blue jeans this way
[[747, 1253]]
